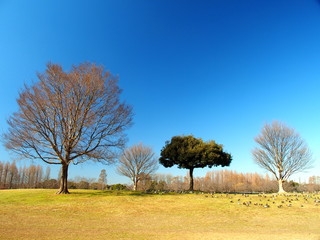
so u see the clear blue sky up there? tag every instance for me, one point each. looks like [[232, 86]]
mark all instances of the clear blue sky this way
[[215, 69]]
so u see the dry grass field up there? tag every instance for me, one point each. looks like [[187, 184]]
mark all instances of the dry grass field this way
[[40, 214]]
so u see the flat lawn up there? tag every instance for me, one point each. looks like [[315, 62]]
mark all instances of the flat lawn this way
[[40, 214]]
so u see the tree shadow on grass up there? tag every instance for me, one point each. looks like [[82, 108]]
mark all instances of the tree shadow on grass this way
[[109, 193]]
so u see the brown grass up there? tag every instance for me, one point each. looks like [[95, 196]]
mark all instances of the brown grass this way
[[40, 214]]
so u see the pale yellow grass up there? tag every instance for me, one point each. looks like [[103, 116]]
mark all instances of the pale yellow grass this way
[[40, 214]]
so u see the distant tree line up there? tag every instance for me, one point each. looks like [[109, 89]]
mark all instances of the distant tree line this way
[[23, 177], [34, 176], [224, 181]]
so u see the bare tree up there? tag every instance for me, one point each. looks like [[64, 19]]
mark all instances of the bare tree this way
[[13, 178], [136, 161], [32, 176], [281, 151], [69, 117], [47, 175], [23, 174], [5, 174], [102, 179]]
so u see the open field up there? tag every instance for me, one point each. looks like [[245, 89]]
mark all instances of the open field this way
[[40, 214]]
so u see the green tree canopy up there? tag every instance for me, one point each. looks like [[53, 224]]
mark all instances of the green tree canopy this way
[[189, 152]]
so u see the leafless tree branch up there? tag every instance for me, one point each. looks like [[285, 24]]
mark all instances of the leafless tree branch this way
[[281, 151], [137, 160], [70, 117]]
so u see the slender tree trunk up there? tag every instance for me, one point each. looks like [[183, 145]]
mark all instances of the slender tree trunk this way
[[191, 179], [64, 180], [10, 181], [281, 190], [135, 185]]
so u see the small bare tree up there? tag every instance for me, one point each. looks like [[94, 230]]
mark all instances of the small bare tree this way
[[136, 161], [69, 117], [102, 179], [281, 151]]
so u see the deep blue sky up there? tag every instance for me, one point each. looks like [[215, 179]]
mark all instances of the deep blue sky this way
[[215, 69]]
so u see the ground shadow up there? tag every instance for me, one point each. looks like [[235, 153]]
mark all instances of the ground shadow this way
[[109, 193]]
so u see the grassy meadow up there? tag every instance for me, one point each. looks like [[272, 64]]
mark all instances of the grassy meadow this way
[[90, 214]]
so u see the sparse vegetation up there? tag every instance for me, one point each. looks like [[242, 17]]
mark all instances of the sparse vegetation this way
[[89, 214]]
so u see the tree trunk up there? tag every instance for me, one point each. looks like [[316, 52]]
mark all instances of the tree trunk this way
[[11, 180], [64, 180], [191, 179], [135, 185], [281, 190]]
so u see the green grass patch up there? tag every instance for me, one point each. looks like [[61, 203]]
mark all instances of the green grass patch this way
[[90, 214]]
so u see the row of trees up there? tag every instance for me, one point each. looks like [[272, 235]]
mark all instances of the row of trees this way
[[75, 116], [223, 181], [214, 181], [280, 150], [34, 176], [23, 177]]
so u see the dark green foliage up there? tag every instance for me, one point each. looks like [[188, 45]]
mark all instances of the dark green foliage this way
[[190, 152], [118, 187]]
